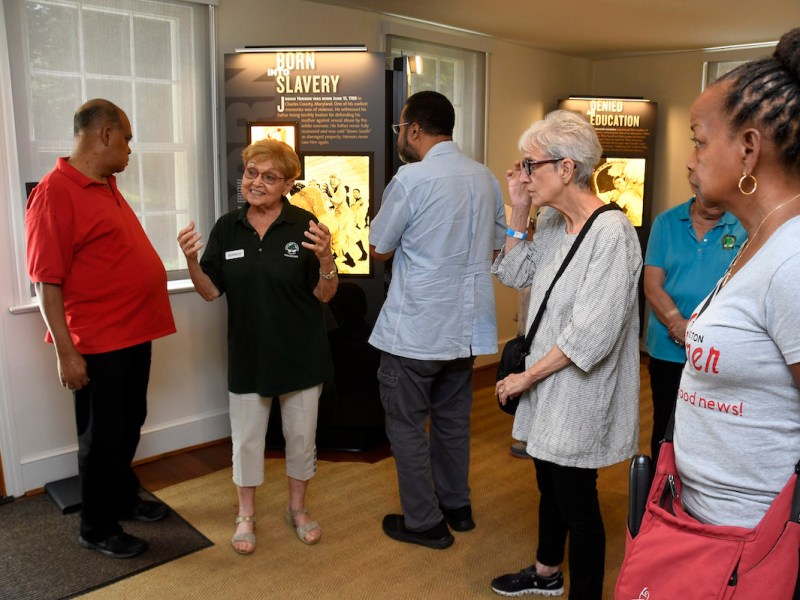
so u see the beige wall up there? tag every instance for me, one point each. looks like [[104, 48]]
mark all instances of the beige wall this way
[[673, 81]]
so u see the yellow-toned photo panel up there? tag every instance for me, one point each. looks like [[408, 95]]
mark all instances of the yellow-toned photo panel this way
[[337, 190]]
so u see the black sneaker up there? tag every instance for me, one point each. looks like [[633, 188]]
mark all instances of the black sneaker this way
[[528, 582], [147, 511], [120, 545]]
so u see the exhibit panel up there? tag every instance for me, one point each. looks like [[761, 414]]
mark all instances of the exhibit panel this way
[[626, 128], [330, 106]]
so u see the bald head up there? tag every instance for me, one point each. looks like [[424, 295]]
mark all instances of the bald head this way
[[102, 137], [95, 114]]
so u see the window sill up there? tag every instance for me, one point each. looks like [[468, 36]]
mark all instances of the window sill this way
[[179, 286]]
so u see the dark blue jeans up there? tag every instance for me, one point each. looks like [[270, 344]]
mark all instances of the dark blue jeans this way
[[569, 505], [109, 413]]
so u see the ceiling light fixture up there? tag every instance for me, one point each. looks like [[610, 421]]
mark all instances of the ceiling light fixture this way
[[284, 49]]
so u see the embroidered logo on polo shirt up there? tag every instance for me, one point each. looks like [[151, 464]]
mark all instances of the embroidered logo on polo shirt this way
[[728, 241], [291, 249]]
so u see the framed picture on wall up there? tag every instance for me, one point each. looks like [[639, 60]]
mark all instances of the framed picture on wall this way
[[284, 131], [337, 189]]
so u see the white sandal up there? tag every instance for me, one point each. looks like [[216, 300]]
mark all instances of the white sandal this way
[[248, 537], [302, 530]]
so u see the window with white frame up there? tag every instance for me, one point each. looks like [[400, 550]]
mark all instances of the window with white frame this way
[[713, 70], [152, 58], [458, 74]]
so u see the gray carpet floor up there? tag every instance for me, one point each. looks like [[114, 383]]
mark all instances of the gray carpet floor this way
[[40, 558]]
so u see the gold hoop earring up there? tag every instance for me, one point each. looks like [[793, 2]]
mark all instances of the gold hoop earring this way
[[755, 184]]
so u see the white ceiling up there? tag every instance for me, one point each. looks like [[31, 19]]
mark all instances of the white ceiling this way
[[599, 28]]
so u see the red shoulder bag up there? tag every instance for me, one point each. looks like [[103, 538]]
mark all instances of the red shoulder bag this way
[[675, 557]]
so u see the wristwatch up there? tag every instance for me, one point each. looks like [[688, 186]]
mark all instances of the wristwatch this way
[[330, 275]]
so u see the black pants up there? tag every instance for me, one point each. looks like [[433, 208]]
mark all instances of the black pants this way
[[109, 413], [665, 379], [569, 505]]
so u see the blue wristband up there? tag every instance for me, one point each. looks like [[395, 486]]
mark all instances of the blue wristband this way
[[517, 235]]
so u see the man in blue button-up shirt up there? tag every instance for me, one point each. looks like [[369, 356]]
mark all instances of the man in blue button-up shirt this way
[[442, 220]]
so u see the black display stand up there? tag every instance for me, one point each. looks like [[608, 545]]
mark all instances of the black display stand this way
[[350, 415], [65, 494]]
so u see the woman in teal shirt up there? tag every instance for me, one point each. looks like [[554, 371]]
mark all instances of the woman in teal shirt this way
[[690, 247]]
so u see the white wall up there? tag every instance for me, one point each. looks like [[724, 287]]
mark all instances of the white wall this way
[[188, 399]]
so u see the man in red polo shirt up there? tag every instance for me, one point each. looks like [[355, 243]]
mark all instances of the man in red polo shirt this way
[[102, 291]]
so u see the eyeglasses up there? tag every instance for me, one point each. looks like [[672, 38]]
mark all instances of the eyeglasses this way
[[529, 165], [268, 178], [396, 128]]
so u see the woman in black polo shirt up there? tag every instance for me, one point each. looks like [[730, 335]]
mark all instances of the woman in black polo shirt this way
[[274, 262]]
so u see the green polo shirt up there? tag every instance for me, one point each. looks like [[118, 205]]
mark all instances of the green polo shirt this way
[[277, 342]]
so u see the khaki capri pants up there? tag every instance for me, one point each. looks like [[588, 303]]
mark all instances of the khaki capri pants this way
[[249, 414]]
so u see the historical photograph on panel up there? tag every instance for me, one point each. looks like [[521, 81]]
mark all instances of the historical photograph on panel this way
[[283, 131], [336, 188], [621, 180]]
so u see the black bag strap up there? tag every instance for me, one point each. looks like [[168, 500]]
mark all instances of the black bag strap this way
[[795, 513], [670, 430], [526, 347]]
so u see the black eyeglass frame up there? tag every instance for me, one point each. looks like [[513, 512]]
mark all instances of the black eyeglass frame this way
[[528, 165]]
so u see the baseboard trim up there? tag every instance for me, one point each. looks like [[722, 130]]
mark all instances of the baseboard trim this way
[[156, 442]]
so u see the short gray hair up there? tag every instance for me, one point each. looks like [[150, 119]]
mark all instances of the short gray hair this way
[[565, 134]]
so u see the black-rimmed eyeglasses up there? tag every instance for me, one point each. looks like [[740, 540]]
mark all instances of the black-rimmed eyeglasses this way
[[268, 178], [396, 127], [529, 165]]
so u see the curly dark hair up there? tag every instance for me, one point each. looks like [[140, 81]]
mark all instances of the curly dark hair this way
[[766, 92]]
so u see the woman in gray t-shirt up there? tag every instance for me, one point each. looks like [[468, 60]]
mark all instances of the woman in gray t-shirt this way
[[737, 427]]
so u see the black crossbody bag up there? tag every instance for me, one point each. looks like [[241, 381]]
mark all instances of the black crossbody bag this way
[[512, 360]]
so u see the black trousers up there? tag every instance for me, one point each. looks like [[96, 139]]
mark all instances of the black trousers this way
[[665, 379], [109, 413], [569, 505]]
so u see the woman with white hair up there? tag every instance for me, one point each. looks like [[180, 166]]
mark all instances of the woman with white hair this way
[[580, 390]]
